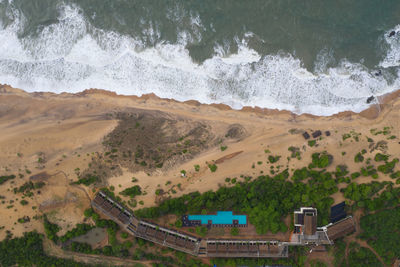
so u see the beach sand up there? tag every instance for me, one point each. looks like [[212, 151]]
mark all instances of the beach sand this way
[[67, 131]]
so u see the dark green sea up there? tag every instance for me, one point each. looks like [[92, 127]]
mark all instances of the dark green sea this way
[[315, 56]]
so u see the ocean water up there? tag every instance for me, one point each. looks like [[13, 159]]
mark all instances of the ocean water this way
[[307, 56]]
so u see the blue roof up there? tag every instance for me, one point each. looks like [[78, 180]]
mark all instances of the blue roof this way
[[338, 212], [222, 217]]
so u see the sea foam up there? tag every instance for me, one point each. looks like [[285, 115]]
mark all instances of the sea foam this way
[[72, 55]]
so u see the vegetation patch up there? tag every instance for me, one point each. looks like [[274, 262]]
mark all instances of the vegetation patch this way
[[382, 232], [386, 130], [28, 186], [388, 166], [212, 167], [295, 152], [273, 159], [312, 143], [353, 134], [132, 191], [28, 251], [381, 157], [51, 229], [197, 167], [361, 256], [5, 178], [87, 180], [80, 229], [321, 160], [358, 158]]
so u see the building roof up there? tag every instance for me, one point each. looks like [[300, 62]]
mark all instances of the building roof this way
[[341, 228], [299, 218], [338, 212], [98, 199], [310, 224]]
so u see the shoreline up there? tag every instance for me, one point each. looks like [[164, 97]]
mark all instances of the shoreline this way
[[372, 112]]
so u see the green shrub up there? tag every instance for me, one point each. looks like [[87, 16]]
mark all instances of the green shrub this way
[[158, 192], [223, 148], [132, 191], [395, 175], [358, 158], [197, 167], [88, 212], [321, 160], [273, 159], [346, 136], [311, 143], [355, 175], [388, 167], [381, 157], [23, 202], [87, 180], [80, 229], [212, 167], [5, 178], [341, 171]]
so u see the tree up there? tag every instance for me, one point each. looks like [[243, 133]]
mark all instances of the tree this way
[[51, 229], [88, 212]]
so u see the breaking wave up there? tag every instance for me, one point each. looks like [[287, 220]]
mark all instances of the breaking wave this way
[[72, 55]]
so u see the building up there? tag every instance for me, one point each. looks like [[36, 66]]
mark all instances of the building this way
[[221, 219], [306, 231], [305, 221], [338, 212], [341, 228]]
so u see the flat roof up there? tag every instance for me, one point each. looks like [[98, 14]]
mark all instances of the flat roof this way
[[222, 217]]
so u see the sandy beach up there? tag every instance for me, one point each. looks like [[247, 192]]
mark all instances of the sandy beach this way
[[63, 134]]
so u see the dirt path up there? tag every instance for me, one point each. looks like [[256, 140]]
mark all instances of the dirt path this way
[[53, 250]]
